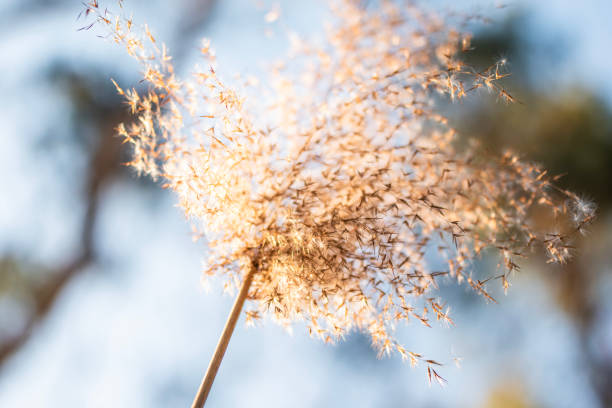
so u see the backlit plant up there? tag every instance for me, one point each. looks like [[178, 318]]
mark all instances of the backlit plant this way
[[321, 188]]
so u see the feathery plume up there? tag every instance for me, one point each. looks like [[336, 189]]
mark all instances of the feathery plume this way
[[329, 183]]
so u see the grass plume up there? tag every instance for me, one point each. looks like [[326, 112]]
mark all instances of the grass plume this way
[[338, 173]]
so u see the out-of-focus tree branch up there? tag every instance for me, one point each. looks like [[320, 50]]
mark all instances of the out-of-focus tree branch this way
[[40, 286], [103, 166]]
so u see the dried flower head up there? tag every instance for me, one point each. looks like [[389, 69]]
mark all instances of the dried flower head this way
[[335, 178]]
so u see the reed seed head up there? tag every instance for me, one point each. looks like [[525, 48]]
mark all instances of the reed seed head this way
[[337, 175]]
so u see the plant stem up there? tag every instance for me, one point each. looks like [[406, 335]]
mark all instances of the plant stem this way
[[215, 362]]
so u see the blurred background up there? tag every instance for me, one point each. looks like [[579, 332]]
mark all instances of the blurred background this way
[[100, 295]]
